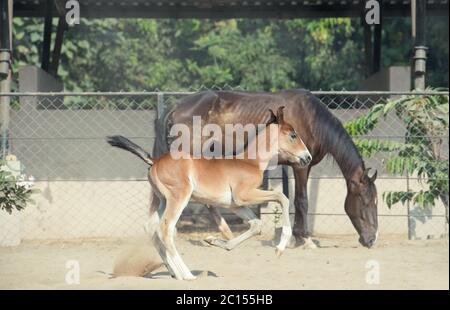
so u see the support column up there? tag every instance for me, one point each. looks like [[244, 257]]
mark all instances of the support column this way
[[367, 48], [5, 70], [372, 37], [377, 43], [418, 17], [53, 70], [45, 57]]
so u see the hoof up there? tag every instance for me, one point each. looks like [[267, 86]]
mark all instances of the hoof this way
[[309, 244], [190, 278], [210, 239], [303, 243], [217, 242], [279, 252]]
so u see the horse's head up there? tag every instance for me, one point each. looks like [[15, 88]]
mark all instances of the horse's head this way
[[290, 145], [361, 205]]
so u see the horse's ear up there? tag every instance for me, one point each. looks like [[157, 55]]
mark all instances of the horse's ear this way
[[272, 119], [372, 174], [369, 175], [280, 115]]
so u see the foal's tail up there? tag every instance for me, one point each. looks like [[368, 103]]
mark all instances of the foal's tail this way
[[123, 143]]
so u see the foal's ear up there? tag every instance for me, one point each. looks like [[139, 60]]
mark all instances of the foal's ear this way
[[280, 115], [272, 119]]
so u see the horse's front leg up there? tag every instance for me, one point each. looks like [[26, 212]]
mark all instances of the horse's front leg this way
[[300, 230]]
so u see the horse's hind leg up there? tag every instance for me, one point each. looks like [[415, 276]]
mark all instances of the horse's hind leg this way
[[220, 222], [244, 213], [164, 239]]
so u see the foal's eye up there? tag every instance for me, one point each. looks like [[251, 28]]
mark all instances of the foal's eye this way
[[293, 135]]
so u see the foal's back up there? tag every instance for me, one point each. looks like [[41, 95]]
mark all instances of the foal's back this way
[[209, 180]]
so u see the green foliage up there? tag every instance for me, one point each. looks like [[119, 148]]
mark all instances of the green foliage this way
[[365, 123], [177, 54], [12, 195], [426, 121], [369, 147]]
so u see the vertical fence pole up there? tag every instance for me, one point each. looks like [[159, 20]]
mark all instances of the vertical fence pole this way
[[285, 178], [160, 105], [4, 115], [5, 70], [408, 208]]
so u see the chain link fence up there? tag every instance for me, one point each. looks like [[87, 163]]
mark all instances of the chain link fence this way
[[86, 189]]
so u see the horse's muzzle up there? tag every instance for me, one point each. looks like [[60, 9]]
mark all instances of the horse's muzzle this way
[[367, 243]]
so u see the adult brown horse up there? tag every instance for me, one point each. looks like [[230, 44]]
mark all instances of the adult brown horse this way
[[321, 132]]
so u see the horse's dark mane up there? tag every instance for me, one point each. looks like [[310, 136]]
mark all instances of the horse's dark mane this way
[[333, 137]]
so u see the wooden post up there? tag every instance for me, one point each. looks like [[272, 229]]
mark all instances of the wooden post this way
[[45, 57], [58, 44]]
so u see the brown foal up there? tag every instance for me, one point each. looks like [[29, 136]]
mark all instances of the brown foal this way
[[232, 183]]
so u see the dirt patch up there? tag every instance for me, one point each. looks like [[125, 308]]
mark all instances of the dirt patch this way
[[339, 263]]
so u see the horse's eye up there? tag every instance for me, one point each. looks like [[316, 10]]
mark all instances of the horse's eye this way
[[293, 135]]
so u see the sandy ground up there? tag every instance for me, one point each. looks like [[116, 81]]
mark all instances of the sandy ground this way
[[339, 263]]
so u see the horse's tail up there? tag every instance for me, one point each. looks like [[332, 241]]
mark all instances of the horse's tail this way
[[125, 144]]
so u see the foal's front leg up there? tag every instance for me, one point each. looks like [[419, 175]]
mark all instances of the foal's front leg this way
[[286, 232]]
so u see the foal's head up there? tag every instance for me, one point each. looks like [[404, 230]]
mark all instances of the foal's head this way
[[290, 145]]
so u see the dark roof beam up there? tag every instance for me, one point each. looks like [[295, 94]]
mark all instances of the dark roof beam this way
[[214, 9]]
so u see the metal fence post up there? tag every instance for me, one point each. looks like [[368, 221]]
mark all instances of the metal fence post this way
[[408, 208], [285, 178], [160, 106], [4, 115], [5, 70]]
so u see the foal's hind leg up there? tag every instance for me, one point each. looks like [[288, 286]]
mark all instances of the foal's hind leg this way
[[164, 239], [157, 206], [257, 196], [220, 222], [244, 213]]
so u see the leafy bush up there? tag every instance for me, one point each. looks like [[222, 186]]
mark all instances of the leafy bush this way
[[426, 122], [13, 194]]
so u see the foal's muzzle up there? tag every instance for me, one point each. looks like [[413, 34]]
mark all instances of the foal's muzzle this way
[[304, 159]]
